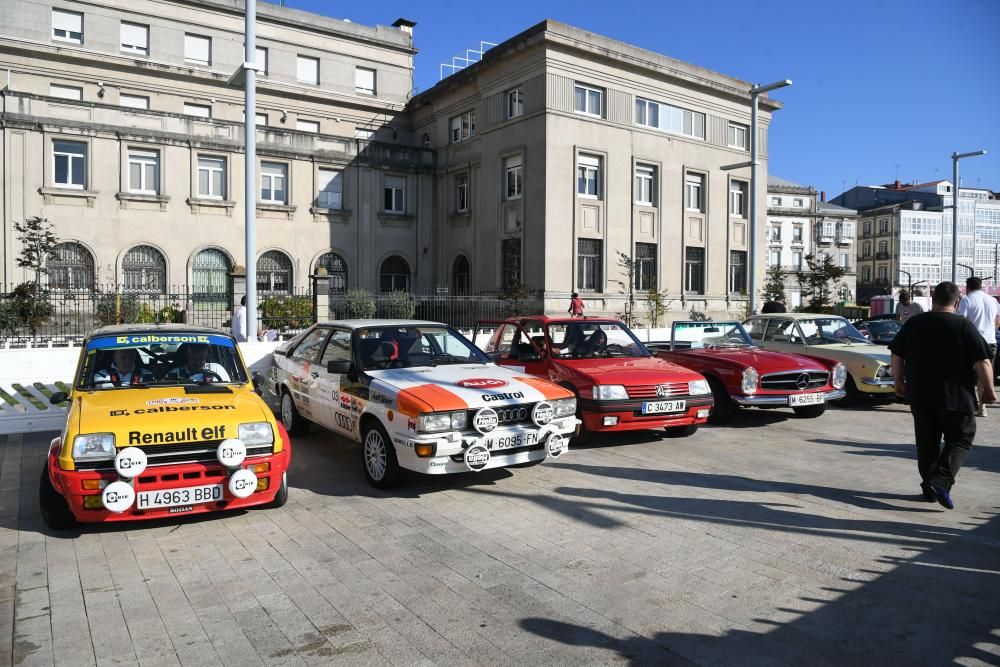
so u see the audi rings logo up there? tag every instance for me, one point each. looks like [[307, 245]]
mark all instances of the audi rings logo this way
[[511, 415], [542, 413], [485, 420], [481, 383], [477, 457], [802, 381], [662, 391]]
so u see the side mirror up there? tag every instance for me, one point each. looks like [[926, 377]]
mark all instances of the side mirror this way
[[58, 397], [258, 381], [339, 367]]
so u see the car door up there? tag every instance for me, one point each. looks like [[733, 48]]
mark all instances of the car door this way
[[304, 372], [328, 385], [515, 350]]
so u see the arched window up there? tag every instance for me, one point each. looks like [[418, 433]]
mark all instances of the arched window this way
[[460, 275], [210, 277], [145, 270], [274, 273], [394, 274], [336, 268], [71, 267]]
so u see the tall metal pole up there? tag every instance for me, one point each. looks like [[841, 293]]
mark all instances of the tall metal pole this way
[[753, 203], [250, 169], [954, 218]]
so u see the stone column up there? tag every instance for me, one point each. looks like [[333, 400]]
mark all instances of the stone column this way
[[321, 295]]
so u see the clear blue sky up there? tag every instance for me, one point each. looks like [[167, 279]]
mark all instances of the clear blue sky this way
[[880, 87]]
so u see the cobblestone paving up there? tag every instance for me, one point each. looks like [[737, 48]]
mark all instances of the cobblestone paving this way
[[774, 541]]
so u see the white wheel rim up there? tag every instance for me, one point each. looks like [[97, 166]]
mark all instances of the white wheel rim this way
[[286, 411], [375, 455]]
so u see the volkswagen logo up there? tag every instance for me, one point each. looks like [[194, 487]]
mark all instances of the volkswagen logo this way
[[802, 381], [662, 391], [515, 414]]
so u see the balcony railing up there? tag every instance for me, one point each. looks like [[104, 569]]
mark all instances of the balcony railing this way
[[882, 254]]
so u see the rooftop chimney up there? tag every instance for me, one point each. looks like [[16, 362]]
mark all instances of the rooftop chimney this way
[[406, 25], [822, 195]]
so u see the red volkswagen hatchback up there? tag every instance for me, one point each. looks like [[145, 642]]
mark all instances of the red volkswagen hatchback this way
[[619, 385]]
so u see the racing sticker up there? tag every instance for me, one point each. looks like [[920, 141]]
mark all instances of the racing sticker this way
[[477, 457], [485, 420], [481, 383], [188, 434], [503, 396], [168, 408], [555, 445], [173, 400], [133, 340]]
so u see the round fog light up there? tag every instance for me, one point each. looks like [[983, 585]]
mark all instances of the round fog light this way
[[542, 413], [242, 483], [118, 497], [555, 445], [231, 452], [130, 462]]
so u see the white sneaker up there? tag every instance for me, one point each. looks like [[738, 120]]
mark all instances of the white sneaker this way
[[981, 412]]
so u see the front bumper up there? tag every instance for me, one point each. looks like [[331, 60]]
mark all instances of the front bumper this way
[[781, 400], [878, 384], [630, 418]]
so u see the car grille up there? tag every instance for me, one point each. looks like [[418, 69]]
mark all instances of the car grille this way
[[649, 390], [191, 452], [793, 380], [510, 415]]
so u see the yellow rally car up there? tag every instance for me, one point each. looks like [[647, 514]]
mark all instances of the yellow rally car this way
[[163, 420]]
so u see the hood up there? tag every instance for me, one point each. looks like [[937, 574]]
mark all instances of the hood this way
[[134, 414], [842, 352], [462, 386], [630, 371], [764, 361]]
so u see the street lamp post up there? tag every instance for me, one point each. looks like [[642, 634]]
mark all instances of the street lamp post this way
[[955, 157]]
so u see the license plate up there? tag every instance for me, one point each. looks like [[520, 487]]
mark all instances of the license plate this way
[[806, 399], [189, 495], [512, 441], [654, 407]]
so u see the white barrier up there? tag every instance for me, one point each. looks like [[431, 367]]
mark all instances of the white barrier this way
[[29, 376]]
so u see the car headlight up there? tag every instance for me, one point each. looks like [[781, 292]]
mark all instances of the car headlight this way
[[884, 373], [564, 407], [436, 422], [696, 387], [749, 384], [609, 392], [94, 447], [839, 376], [256, 433]]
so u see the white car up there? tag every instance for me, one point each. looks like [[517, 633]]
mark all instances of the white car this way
[[418, 396]]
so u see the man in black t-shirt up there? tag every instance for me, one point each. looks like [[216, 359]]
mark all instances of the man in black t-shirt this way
[[938, 358]]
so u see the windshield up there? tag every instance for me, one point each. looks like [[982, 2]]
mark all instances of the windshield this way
[[589, 339], [140, 360], [379, 348], [882, 327], [709, 335], [830, 331]]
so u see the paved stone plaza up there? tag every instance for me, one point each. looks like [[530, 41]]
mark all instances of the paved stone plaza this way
[[775, 541]]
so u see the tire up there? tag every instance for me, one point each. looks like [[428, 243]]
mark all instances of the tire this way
[[854, 395], [681, 431], [293, 422], [378, 458], [281, 497], [810, 411], [55, 509], [724, 409]]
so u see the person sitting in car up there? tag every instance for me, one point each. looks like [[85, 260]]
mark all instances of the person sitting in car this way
[[124, 370], [195, 365], [596, 345]]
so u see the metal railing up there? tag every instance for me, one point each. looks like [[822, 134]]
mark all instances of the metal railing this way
[[458, 311]]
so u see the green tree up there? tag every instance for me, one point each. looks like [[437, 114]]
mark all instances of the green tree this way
[[28, 304], [358, 304], [400, 305], [774, 284], [818, 283], [656, 304]]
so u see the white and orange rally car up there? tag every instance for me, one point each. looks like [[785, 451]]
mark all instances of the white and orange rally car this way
[[418, 396]]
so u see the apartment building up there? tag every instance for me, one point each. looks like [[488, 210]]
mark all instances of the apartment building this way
[[801, 223], [119, 127], [564, 150]]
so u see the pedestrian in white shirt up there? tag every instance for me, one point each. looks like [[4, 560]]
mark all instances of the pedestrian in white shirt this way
[[240, 321], [982, 310]]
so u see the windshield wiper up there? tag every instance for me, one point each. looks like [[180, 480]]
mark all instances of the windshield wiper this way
[[447, 359]]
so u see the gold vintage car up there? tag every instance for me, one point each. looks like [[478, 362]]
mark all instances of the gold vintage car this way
[[869, 369]]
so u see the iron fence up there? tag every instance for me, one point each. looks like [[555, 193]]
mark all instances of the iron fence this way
[[458, 311], [283, 314]]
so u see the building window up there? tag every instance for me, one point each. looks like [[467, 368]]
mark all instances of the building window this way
[[588, 100], [463, 127], [774, 233], [647, 113], [134, 101], [883, 273], [307, 70], [336, 269], [261, 60], [513, 169], [775, 201], [71, 267], [774, 258], [461, 193], [738, 199], [198, 49], [273, 177], [645, 266], [67, 26], [797, 234], [143, 171], [737, 272], [394, 191], [589, 265], [845, 260], [460, 273], [144, 270], [331, 189], [307, 126], [883, 226], [515, 102], [511, 263], [66, 92], [364, 81], [694, 270], [694, 186], [274, 273], [210, 270], [645, 185], [797, 260], [394, 274], [866, 274], [197, 110], [669, 118], [738, 136], [69, 164], [362, 134], [135, 38], [797, 203], [866, 249], [588, 176], [211, 177], [260, 120]]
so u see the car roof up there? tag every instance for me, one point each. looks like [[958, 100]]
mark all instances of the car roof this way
[[121, 329], [367, 324], [797, 316], [550, 319]]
